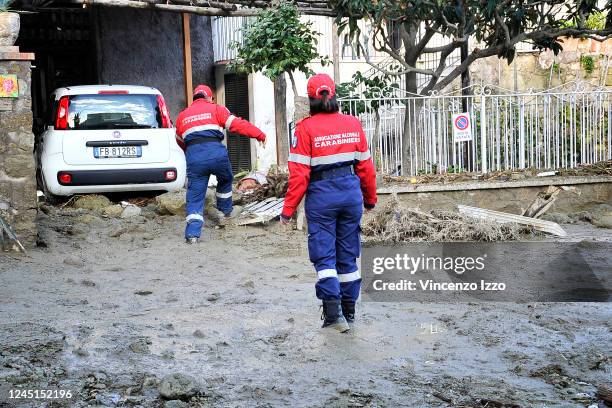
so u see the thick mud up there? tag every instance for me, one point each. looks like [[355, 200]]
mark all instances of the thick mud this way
[[113, 306]]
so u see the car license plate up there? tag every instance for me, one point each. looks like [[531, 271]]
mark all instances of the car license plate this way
[[117, 152]]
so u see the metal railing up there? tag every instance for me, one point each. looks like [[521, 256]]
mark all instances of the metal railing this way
[[563, 127]]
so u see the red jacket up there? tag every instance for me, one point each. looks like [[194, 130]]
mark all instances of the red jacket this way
[[324, 141], [207, 119]]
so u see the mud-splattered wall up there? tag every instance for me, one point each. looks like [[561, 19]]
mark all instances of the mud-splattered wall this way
[[140, 47], [17, 174]]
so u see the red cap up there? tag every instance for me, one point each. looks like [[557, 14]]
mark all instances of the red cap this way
[[203, 90], [319, 83]]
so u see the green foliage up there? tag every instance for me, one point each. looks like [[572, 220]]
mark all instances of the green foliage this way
[[277, 42], [497, 26], [375, 86], [588, 63], [5, 5], [596, 21]]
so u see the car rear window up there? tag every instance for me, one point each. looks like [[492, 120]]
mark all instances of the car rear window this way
[[113, 111]]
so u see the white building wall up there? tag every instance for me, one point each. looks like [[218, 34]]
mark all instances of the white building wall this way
[[262, 115]]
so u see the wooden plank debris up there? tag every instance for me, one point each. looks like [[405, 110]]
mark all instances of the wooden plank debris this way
[[546, 174], [7, 232], [502, 217], [544, 200], [261, 211]]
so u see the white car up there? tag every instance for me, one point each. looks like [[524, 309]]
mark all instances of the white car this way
[[108, 138]]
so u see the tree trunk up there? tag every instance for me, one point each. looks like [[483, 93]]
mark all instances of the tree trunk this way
[[411, 109], [410, 132], [280, 121]]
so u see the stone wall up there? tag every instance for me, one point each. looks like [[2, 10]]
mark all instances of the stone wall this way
[[17, 170], [543, 70], [512, 200]]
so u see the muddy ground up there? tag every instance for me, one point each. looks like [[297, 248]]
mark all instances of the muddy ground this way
[[112, 306]]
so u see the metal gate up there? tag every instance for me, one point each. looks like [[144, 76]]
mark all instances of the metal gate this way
[[564, 127]]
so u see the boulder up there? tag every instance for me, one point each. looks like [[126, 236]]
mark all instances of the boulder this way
[[130, 211], [94, 202], [178, 386], [113, 211], [171, 203]]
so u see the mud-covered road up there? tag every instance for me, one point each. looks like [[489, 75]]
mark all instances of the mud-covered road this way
[[113, 306]]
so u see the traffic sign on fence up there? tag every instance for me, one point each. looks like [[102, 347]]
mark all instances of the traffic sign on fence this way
[[462, 127]]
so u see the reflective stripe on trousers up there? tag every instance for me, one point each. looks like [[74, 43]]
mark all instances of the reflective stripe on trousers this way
[[203, 160]]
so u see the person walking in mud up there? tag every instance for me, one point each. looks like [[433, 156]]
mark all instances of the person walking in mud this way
[[199, 131], [330, 163]]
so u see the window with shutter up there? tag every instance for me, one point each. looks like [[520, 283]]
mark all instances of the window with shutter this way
[[237, 101]]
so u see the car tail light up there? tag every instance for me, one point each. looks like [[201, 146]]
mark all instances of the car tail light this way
[[61, 119], [170, 175], [112, 92], [64, 178], [163, 110]]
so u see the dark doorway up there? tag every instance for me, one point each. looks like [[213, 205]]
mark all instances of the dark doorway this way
[[64, 44], [237, 101]]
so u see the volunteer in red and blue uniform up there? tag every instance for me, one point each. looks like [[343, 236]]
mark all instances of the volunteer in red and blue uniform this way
[[199, 131], [330, 163]]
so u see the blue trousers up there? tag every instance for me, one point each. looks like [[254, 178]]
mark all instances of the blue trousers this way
[[203, 160], [333, 210]]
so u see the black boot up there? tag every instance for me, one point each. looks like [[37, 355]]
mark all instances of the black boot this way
[[348, 310], [332, 316]]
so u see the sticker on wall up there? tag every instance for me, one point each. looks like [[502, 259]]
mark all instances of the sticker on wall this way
[[8, 86]]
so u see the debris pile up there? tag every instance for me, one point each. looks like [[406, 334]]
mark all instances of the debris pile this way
[[397, 223], [602, 168], [275, 186]]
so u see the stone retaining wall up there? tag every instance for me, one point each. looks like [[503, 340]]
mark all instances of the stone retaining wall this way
[[512, 199], [17, 169]]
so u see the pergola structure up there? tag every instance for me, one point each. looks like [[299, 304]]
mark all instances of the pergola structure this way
[[223, 8]]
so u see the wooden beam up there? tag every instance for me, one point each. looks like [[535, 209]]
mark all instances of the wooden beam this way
[[503, 218], [187, 59], [202, 11]]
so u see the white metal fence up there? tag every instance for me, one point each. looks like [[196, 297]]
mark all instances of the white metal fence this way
[[559, 128]]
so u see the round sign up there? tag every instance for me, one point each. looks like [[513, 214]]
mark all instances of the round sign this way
[[462, 122]]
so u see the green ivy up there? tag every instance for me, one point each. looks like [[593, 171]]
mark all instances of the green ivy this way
[[588, 63], [277, 42]]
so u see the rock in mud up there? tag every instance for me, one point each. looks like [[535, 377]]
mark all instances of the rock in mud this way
[[94, 202], [603, 220], [175, 404], [171, 203], [74, 261], [178, 386], [130, 211], [86, 218], [81, 352], [113, 211], [140, 346], [213, 297]]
